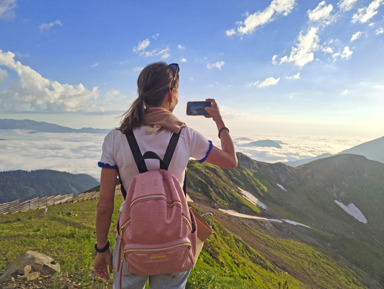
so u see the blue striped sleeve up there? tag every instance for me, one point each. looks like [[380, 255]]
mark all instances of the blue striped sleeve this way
[[208, 152], [107, 166]]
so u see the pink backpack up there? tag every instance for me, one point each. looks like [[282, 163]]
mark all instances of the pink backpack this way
[[156, 229]]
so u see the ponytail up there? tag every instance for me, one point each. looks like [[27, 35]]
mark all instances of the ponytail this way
[[153, 84], [134, 117]]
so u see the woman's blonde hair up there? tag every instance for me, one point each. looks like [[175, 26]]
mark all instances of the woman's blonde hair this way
[[153, 84]]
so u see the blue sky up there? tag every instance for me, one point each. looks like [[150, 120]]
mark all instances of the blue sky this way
[[281, 66]]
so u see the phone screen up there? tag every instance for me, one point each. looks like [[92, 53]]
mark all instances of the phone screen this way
[[197, 107]]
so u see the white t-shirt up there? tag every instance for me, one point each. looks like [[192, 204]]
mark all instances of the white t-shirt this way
[[118, 155]]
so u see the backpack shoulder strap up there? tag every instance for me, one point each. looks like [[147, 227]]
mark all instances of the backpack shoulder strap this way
[[171, 148], [136, 152], [139, 158]]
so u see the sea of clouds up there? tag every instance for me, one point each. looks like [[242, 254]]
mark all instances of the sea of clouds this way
[[71, 152], [294, 147], [79, 152]]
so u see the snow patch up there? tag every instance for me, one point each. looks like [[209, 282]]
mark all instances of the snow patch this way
[[295, 223], [237, 214], [281, 187], [354, 211], [251, 198], [240, 215]]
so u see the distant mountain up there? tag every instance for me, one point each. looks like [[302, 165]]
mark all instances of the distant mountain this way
[[243, 139], [263, 143], [26, 185], [41, 126], [305, 161], [334, 204], [373, 150]]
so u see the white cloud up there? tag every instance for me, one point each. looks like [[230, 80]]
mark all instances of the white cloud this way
[[379, 31], [183, 60], [346, 5], [47, 26], [321, 14], [366, 13], [3, 76], [70, 152], [181, 47], [34, 93], [356, 36], [277, 7], [346, 54], [156, 36], [230, 32], [274, 60], [78, 153], [270, 81], [142, 45], [296, 76], [7, 8], [218, 65], [293, 147], [163, 53], [327, 49], [230, 113], [307, 44], [94, 65]]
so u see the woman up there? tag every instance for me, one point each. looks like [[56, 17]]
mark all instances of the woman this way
[[151, 119]]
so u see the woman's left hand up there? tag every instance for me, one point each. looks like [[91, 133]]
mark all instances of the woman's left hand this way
[[102, 266]]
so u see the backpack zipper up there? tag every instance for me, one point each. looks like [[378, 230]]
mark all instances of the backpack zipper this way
[[157, 249], [189, 223], [122, 227], [148, 197], [156, 197]]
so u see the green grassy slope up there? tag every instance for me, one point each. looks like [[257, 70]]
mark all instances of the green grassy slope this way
[[66, 233], [240, 254], [308, 199]]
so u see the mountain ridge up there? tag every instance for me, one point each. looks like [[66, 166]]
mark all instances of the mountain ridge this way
[[306, 195], [26, 185], [373, 150], [42, 126], [279, 249]]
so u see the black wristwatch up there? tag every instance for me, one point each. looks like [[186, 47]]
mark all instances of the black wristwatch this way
[[102, 250]]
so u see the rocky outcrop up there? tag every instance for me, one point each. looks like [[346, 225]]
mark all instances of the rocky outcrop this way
[[29, 267]]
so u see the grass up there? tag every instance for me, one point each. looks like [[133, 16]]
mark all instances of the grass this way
[[67, 234]]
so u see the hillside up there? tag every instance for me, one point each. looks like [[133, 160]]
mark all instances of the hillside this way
[[66, 233], [300, 226], [26, 185], [324, 199]]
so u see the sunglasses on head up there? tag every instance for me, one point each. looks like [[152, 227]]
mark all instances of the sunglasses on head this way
[[176, 68]]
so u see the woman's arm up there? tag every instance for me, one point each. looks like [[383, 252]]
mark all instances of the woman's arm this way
[[103, 222], [226, 156]]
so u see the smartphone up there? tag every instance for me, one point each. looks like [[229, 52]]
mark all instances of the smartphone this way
[[197, 107]]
